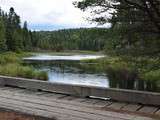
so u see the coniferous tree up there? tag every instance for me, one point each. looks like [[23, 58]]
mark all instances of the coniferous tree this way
[[12, 29], [13, 37], [26, 37], [72, 39], [3, 46], [17, 43]]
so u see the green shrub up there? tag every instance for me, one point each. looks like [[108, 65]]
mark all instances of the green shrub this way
[[127, 67], [152, 75], [17, 70], [152, 79], [11, 57], [11, 65], [121, 71], [41, 75]]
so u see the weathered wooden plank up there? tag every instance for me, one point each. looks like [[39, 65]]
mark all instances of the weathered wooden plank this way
[[53, 95], [148, 109], [78, 108], [38, 112], [83, 91], [79, 100], [116, 105], [63, 97], [68, 98], [60, 110], [144, 118], [52, 98], [90, 101], [11, 89], [47, 102], [3, 87], [102, 104], [132, 107], [55, 116], [158, 112]]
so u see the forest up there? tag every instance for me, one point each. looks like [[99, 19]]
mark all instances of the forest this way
[[73, 39], [14, 37], [130, 33]]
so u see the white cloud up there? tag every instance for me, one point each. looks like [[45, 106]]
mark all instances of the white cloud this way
[[50, 12]]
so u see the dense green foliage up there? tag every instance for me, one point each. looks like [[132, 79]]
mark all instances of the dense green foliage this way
[[126, 70], [2, 36], [11, 65], [72, 39], [135, 31], [13, 37], [135, 24], [138, 67]]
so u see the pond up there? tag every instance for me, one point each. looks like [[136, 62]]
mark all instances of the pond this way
[[68, 69]]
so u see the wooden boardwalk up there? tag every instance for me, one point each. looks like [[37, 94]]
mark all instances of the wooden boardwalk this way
[[65, 107]]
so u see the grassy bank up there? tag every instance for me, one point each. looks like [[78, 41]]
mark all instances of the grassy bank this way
[[128, 68], [68, 52], [11, 65]]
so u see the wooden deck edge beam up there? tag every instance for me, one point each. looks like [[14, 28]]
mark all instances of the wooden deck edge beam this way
[[133, 96]]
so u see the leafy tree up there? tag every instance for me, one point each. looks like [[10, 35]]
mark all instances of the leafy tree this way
[[124, 10], [136, 22]]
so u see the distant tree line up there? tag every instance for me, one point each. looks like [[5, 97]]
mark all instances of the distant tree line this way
[[135, 29], [72, 39], [13, 37], [17, 37]]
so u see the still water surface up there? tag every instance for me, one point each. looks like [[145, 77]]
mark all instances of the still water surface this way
[[64, 69], [68, 70]]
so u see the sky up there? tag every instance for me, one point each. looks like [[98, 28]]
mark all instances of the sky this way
[[49, 14]]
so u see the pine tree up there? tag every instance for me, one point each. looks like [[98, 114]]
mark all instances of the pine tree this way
[[3, 46], [26, 37], [17, 44]]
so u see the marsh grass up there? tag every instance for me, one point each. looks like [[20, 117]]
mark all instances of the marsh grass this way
[[11, 65], [128, 67], [9, 57]]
